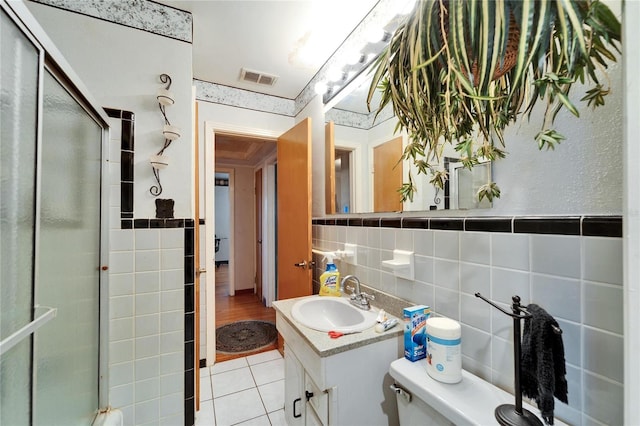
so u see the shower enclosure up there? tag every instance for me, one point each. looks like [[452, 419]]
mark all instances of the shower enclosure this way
[[52, 235]]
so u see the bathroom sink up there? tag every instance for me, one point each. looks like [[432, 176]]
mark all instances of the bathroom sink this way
[[326, 313]]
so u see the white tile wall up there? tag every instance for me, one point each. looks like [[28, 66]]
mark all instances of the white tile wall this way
[[576, 279], [146, 336]]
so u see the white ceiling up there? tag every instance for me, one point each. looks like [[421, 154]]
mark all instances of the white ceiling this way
[[267, 36]]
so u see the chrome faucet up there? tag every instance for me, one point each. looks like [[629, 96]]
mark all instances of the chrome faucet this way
[[358, 298]]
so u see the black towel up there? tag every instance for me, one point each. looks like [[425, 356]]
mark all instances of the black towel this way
[[542, 368]]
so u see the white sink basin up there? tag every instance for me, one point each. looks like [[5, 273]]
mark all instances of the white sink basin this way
[[326, 313]]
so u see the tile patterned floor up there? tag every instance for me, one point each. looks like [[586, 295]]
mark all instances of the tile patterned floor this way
[[244, 391]]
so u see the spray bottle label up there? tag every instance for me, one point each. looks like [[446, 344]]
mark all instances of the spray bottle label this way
[[329, 283]]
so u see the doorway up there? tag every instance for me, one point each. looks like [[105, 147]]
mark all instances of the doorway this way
[[243, 263], [223, 220]]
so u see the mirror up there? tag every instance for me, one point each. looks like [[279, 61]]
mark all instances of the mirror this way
[[362, 169]]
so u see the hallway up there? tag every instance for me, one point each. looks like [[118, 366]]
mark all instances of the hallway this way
[[245, 305]]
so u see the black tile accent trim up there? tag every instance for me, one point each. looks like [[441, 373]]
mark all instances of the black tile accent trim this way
[[447, 224], [141, 223], [391, 222], [113, 113], [201, 221], [189, 411], [342, 222], [189, 236], [373, 222], [127, 135], [126, 198], [189, 384], [595, 226], [547, 225], [126, 166], [494, 224], [189, 331], [415, 223], [189, 357], [602, 226], [203, 363]]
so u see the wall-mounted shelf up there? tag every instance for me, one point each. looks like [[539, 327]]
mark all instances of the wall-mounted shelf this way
[[402, 264], [349, 254]]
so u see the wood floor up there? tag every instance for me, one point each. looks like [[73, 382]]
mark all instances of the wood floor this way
[[245, 305]]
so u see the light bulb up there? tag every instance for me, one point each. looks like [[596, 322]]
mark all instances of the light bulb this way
[[407, 7], [375, 35], [335, 74], [321, 88], [354, 57]]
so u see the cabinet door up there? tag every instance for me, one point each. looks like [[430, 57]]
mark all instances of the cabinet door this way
[[312, 419], [294, 402], [317, 400]]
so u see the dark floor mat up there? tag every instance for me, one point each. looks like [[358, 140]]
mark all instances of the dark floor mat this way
[[244, 336]]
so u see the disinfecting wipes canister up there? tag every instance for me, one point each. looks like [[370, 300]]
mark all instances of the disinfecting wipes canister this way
[[444, 362]]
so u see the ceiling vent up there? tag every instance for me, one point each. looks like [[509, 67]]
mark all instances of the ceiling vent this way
[[257, 77]]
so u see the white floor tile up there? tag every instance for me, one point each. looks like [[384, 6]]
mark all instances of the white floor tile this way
[[268, 372], [205, 416], [272, 395], [277, 418], [258, 421], [232, 381], [263, 357], [238, 407], [205, 389], [233, 364]]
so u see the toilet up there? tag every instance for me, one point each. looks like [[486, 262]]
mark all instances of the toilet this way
[[425, 401]]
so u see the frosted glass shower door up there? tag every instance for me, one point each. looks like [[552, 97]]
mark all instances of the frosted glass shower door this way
[[66, 356], [18, 136]]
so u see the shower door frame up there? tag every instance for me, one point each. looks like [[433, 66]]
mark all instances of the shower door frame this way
[[52, 60]]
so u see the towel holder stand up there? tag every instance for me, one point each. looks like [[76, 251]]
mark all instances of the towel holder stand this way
[[514, 414]]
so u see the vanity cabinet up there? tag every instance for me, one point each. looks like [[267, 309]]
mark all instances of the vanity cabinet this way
[[343, 382], [305, 402]]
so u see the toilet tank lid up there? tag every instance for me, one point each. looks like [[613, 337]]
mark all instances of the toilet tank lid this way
[[472, 401]]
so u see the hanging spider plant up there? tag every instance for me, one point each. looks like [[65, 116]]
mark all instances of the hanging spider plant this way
[[459, 71]]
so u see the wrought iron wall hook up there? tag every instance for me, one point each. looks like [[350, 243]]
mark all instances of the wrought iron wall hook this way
[[166, 79], [156, 190]]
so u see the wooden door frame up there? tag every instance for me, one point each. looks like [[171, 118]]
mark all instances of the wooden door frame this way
[[210, 129]]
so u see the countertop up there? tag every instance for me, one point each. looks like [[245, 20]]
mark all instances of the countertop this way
[[325, 346]]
